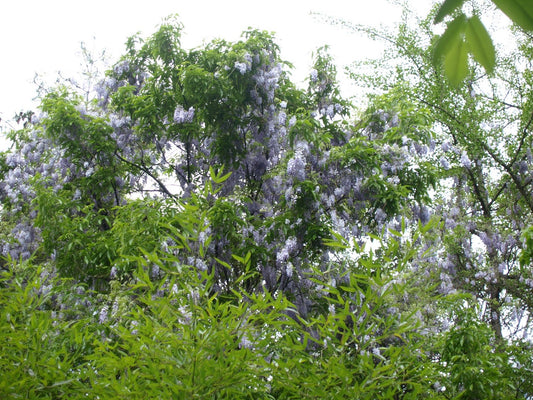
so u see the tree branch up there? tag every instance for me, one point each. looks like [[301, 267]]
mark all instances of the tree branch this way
[[144, 169]]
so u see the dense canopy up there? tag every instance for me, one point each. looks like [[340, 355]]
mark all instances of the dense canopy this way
[[198, 226]]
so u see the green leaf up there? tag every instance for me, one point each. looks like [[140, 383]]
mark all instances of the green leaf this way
[[450, 39], [456, 63], [395, 232], [224, 264], [447, 8], [519, 11], [217, 177], [480, 43]]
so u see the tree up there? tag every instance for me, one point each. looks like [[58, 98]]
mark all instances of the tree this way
[[482, 147], [201, 213], [166, 120]]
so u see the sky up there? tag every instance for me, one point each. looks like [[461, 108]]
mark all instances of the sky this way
[[44, 36]]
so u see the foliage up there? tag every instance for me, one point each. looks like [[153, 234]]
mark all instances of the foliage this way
[[201, 227], [176, 337], [465, 35], [166, 121], [482, 148], [43, 346], [475, 368]]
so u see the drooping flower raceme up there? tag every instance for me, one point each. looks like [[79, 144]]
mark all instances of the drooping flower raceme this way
[[182, 116], [296, 166]]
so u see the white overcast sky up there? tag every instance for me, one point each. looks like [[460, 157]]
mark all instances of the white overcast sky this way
[[44, 36]]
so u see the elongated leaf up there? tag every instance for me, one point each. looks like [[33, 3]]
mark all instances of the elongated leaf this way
[[480, 43], [456, 63], [447, 8], [519, 11], [450, 38]]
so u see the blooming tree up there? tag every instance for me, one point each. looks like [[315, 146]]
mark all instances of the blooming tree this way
[[165, 120], [212, 216], [483, 153]]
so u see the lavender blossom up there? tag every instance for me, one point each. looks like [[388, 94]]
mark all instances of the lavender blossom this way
[[122, 67], [292, 121], [465, 161], [296, 167], [181, 116], [289, 269], [282, 117], [241, 67], [330, 111], [103, 316]]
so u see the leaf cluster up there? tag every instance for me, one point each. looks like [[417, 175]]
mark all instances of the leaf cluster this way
[[467, 35]]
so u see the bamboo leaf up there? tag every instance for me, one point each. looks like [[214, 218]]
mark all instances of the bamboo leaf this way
[[519, 11], [447, 8], [450, 39], [480, 44], [395, 232], [224, 263], [456, 63]]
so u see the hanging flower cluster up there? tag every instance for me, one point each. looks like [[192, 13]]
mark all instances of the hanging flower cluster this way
[[166, 119]]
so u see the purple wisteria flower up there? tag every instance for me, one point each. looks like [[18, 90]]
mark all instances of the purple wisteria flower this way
[[241, 67], [182, 116], [465, 161], [296, 167], [122, 67]]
